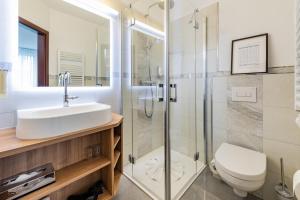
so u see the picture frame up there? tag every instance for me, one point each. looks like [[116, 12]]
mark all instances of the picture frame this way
[[250, 55]]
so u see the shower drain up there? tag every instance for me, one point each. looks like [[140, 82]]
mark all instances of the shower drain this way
[[155, 170]]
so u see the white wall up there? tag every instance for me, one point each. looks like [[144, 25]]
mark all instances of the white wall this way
[[45, 97], [243, 18], [276, 133], [8, 24], [35, 11]]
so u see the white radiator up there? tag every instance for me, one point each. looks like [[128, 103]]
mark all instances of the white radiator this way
[[73, 63]]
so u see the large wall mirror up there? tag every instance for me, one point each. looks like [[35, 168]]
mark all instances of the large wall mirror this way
[[56, 36]]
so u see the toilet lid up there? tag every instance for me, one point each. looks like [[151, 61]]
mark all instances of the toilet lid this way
[[241, 163]]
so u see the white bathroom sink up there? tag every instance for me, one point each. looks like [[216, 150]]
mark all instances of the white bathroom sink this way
[[49, 122]]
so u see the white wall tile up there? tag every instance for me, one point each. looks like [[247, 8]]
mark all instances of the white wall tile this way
[[7, 120], [219, 137], [212, 56], [220, 115], [278, 90], [220, 89], [244, 139], [279, 124]]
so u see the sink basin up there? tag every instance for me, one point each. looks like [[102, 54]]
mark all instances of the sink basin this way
[[50, 122]]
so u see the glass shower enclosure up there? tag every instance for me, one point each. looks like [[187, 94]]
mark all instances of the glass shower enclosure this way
[[164, 107]]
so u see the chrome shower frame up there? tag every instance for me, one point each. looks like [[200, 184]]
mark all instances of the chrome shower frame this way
[[167, 138]]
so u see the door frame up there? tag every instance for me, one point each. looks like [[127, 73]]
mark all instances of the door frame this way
[[43, 52]]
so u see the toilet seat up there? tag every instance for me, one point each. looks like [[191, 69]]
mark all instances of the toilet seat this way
[[241, 163]]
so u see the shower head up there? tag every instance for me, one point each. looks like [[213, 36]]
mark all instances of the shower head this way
[[161, 4], [193, 17], [194, 20]]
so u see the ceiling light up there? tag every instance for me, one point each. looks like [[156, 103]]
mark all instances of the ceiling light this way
[[95, 7]]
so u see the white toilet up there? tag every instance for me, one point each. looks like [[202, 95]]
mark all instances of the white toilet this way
[[241, 168]]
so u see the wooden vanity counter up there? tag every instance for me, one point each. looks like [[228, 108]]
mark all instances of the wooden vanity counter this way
[[75, 173]]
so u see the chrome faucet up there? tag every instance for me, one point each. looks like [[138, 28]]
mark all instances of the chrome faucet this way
[[64, 79]]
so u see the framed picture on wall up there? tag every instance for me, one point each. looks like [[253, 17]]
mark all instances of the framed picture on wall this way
[[250, 55]]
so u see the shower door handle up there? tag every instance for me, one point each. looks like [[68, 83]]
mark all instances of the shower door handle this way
[[160, 92], [173, 99]]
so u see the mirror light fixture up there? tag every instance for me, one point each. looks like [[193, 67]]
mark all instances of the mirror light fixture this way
[[95, 7], [147, 29]]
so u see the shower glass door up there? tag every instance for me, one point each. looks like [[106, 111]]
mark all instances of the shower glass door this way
[[147, 75], [187, 52]]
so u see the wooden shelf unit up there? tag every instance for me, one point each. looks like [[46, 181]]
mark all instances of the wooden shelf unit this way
[[118, 157], [75, 173], [68, 175], [116, 140], [105, 196], [117, 179]]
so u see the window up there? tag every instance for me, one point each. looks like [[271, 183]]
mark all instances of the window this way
[[33, 55]]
